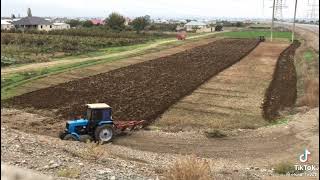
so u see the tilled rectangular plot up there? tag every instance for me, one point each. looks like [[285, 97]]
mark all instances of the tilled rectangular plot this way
[[144, 90]]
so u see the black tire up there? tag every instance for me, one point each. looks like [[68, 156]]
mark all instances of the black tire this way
[[106, 129], [62, 134], [70, 137], [85, 138]]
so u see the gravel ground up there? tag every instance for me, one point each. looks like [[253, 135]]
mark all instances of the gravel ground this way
[[52, 156], [56, 158]]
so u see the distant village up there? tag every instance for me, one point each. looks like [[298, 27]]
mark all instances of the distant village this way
[[57, 23]]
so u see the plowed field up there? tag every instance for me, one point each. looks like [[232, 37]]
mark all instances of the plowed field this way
[[140, 91]]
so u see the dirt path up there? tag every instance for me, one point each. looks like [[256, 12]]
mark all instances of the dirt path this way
[[36, 66], [310, 33], [231, 99], [261, 147], [52, 80]]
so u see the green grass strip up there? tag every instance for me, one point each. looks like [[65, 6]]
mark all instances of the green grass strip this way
[[255, 34]]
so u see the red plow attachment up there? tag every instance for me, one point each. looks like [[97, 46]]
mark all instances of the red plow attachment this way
[[129, 125]]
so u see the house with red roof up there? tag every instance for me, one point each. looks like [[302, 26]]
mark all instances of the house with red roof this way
[[97, 22]]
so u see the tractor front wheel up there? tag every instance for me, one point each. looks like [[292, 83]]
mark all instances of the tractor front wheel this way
[[104, 133]]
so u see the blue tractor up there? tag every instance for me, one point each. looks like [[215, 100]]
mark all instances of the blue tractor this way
[[97, 125]]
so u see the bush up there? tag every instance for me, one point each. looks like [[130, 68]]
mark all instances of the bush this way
[[92, 151], [285, 167], [218, 28], [189, 168], [311, 93], [6, 61], [69, 173], [215, 134], [162, 27]]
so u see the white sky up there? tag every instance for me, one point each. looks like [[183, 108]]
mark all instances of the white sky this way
[[154, 8]]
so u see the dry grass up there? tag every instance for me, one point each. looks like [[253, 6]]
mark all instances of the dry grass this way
[[285, 167], [69, 173], [189, 168], [215, 133], [92, 151], [308, 76], [311, 93]]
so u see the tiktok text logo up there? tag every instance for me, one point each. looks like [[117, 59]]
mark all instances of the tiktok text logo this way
[[304, 157]]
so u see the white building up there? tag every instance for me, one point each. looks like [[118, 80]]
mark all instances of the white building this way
[[192, 25], [5, 25], [61, 26]]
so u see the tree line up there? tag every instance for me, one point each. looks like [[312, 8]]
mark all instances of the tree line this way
[[116, 21]]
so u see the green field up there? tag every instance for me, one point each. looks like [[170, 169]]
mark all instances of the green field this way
[[32, 47], [255, 34]]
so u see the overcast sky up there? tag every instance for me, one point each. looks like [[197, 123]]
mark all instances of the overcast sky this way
[[154, 8]]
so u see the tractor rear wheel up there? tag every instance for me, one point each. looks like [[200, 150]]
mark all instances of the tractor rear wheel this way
[[104, 133], [70, 137]]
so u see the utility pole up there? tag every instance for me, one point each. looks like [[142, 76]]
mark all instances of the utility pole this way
[[272, 21], [294, 20]]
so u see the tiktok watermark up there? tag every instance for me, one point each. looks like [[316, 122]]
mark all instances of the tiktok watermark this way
[[305, 168]]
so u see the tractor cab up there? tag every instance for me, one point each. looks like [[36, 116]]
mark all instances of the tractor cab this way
[[97, 125], [98, 113]]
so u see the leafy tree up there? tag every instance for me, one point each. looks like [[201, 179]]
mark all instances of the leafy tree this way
[[218, 27], [140, 23], [195, 28], [115, 21], [87, 23], [29, 12], [239, 24], [162, 27], [74, 23]]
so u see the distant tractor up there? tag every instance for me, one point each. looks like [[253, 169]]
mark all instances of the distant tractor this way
[[97, 125], [182, 35], [262, 38]]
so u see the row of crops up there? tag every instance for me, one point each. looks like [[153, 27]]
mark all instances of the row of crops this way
[[36, 46], [94, 31]]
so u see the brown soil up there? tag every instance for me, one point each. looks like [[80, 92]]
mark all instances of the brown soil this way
[[282, 91], [73, 74], [231, 99], [140, 91]]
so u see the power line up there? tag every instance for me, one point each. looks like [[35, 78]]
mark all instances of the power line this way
[[312, 12], [279, 6]]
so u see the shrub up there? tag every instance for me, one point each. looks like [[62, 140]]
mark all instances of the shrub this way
[[285, 167], [218, 28], [215, 133], [189, 168], [6, 61], [69, 173], [311, 93], [91, 151]]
